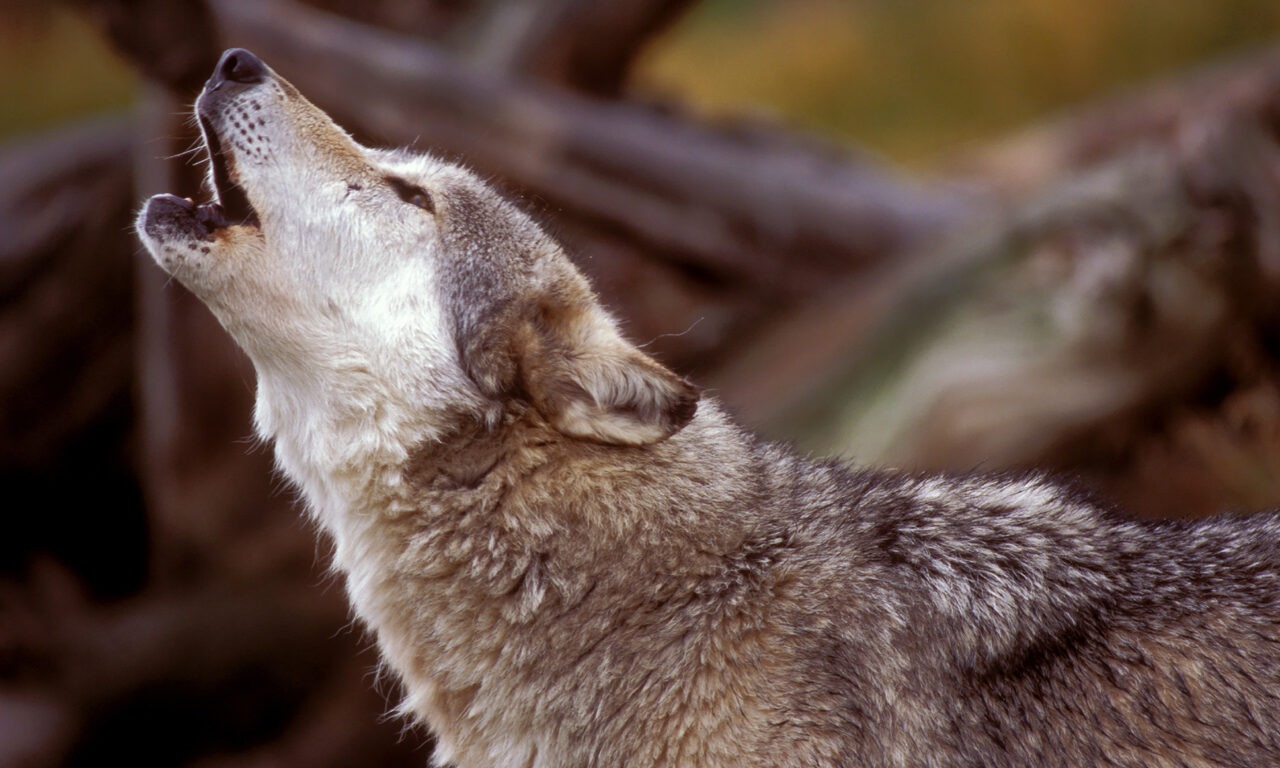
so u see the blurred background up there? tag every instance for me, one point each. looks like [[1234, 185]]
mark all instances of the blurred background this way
[[968, 236]]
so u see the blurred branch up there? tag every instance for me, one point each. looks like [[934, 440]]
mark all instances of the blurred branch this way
[[1216, 129], [171, 42], [584, 45], [65, 309], [218, 669], [1101, 297], [1246, 86]]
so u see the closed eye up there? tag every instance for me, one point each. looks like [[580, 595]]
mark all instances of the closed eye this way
[[411, 193]]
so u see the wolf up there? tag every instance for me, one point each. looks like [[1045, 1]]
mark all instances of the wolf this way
[[571, 556]]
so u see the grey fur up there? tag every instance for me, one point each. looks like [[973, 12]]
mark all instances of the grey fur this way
[[590, 565], [860, 618]]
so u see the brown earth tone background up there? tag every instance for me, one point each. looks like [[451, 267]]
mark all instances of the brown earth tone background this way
[[933, 235]]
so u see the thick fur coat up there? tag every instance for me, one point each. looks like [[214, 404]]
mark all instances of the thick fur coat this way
[[571, 558]]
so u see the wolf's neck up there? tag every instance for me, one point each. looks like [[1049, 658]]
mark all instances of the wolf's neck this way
[[351, 468], [454, 553], [342, 449], [347, 455]]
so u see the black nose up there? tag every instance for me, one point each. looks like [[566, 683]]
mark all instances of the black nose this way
[[237, 66]]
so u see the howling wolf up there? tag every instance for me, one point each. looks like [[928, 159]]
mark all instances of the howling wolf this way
[[571, 557]]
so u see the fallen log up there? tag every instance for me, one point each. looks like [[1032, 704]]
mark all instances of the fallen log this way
[[1101, 298], [1217, 124]]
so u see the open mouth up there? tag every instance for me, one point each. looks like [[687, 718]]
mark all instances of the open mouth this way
[[232, 204]]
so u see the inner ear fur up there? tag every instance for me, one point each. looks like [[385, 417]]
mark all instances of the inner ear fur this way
[[567, 358]]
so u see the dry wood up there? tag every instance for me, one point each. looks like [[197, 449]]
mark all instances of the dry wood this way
[[1106, 295]]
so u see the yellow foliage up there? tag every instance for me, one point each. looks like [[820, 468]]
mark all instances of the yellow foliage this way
[[916, 78], [54, 67]]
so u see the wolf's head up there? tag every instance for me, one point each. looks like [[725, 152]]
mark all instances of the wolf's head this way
[[391, 280]]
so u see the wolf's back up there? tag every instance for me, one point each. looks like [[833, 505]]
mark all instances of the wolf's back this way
[[1029, 625]]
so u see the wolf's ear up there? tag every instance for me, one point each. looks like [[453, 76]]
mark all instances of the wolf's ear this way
[[569, 361], [591, 383]]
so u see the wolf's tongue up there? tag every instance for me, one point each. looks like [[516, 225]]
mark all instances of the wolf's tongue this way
[[212, 216], [235, 203]]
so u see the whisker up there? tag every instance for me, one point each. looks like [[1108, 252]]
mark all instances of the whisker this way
[[692, 325], [195, 150]]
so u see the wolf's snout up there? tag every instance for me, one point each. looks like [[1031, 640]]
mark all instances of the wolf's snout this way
[[237, 66]]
